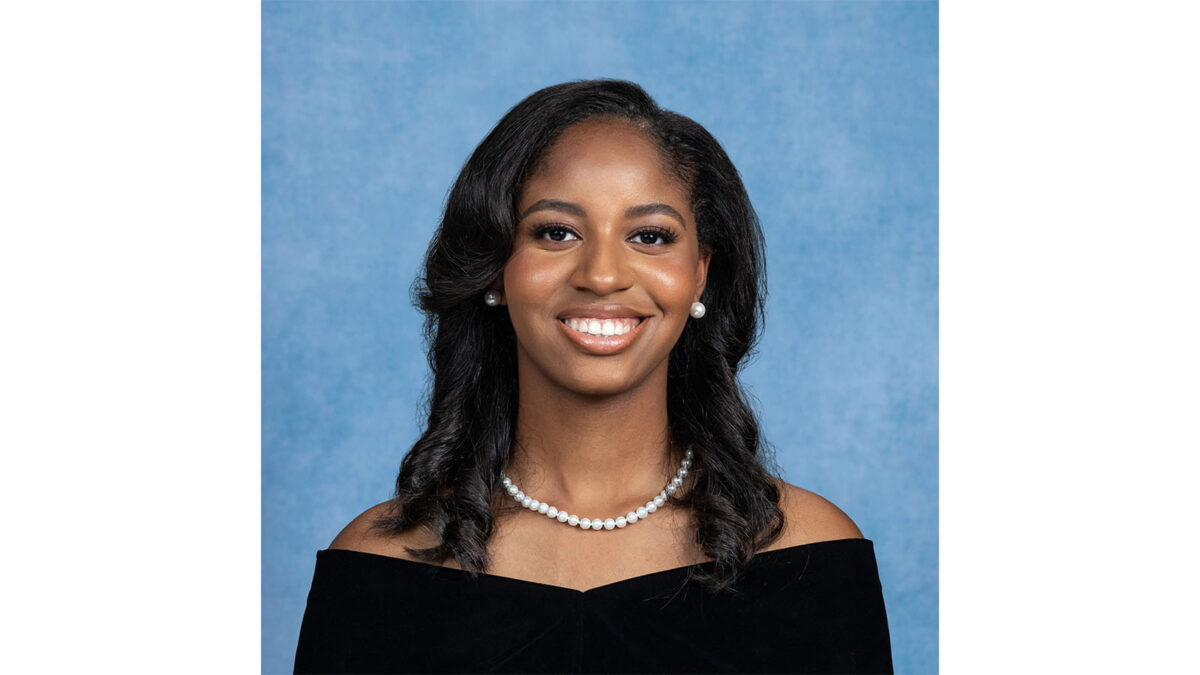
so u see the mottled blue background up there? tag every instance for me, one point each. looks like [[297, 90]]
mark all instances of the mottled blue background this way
[[829, 110]]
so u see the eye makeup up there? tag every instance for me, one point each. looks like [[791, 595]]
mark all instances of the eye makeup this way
[[665, 235]]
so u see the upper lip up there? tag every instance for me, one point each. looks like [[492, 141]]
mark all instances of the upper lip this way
[[601, 312]]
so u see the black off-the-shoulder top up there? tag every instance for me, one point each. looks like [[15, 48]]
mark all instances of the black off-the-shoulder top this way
[[812, 608]]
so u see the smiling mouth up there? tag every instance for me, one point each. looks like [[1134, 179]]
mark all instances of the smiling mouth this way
[[603, 337], [602, 328]]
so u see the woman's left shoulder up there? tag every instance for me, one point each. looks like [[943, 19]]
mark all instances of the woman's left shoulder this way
[[810, 518]]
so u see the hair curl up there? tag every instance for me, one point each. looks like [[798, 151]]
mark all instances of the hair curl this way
[[450, 481]]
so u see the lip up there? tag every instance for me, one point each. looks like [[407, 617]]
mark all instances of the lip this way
[[600, 312], [604, 346]]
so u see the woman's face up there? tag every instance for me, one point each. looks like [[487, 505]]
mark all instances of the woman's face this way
[[604, 235]]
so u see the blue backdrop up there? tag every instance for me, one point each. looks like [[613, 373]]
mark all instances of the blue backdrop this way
[[828, 109]]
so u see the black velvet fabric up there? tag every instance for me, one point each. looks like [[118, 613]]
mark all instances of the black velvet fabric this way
[[813, 608]]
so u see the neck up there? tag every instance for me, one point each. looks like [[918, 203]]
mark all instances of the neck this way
[[593, 455]]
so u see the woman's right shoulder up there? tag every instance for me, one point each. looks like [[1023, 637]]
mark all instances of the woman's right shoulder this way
[[361, 534]]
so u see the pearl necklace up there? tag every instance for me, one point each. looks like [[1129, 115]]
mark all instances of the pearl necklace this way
[[596, 523]]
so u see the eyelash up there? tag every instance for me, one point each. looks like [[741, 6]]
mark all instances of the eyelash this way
[[667, 236]]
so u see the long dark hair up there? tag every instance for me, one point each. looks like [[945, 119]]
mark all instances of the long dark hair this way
[[450, 481]]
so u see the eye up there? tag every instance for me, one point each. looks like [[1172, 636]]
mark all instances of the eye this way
[[557, 233], [647, 235]]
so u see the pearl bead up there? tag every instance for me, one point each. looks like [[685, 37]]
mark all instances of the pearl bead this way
[[640, 513]]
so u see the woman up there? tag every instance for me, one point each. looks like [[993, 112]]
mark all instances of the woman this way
[[590, 493]]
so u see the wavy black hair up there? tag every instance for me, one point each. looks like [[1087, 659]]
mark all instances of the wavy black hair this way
[[450, 481]]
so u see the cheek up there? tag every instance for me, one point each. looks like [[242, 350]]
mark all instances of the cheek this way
[[673, 283], [524, 278], [530, 286]]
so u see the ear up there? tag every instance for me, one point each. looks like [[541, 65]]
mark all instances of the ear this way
[[702, 270]]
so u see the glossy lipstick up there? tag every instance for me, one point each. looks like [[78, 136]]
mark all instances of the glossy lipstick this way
[[599, 344]]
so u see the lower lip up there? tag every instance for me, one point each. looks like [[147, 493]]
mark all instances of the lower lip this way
[[598, 344]]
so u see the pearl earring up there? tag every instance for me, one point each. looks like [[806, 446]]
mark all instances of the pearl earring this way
[[492, 298], [697, 310]]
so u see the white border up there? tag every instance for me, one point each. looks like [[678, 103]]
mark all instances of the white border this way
[[1069, 305], [129, 263]]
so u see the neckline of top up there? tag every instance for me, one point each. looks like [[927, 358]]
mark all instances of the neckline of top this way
[[454, 571]]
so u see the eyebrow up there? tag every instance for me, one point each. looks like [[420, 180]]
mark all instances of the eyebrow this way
[[577, 210]]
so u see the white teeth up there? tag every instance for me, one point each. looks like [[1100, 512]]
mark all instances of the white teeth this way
[[602, 328]]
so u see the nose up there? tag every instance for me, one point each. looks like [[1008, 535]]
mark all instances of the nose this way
[[603, 266]]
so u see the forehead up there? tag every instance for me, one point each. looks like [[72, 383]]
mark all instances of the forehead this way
[[606, 156]]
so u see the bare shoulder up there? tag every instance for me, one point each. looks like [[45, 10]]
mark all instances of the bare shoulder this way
[[810, 518], [361, 535]]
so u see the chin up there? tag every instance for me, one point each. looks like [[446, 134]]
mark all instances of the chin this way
[[591, 384]]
